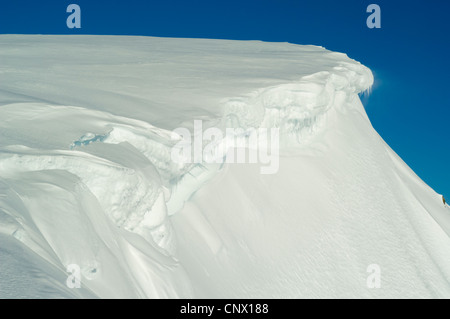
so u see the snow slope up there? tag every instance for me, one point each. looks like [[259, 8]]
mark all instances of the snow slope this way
[[86, 175]]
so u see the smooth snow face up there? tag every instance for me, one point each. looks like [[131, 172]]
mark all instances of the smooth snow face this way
[[87, 178]]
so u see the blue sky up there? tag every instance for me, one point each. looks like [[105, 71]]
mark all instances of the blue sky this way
[[410, 102]]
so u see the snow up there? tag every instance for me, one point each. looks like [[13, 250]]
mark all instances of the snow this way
[[87, 177]]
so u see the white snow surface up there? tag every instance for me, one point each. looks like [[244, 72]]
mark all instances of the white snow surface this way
[[86, 176]]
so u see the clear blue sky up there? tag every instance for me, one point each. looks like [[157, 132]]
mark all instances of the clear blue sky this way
[[410, 102]]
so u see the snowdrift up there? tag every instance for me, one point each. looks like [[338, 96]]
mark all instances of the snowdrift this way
[[87, 178]]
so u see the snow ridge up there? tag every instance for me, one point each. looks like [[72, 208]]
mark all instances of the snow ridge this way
[[133, 158], [87, 178]]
